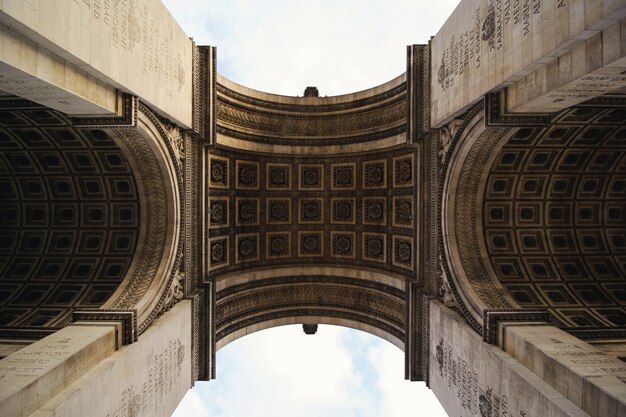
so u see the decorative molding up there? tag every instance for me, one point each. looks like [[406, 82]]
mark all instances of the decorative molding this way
[[155, 198], [496, 115], [175, 138], [204, 92], [128, 318], [464, 310], [446, 133], [279, 176], [126, 117], [404, 171], [423, 332], [465, 229], [156, 212], [430, 211], [492, 318], [444, 293], [375, 174], [418, 87], [352, 299], [175, 293], [364, 120], [355, 106]]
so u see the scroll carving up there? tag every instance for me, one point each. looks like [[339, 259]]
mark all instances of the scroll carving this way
[[175, 293], [445, 138], [444, 291]]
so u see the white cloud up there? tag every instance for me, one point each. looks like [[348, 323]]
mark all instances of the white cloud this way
[[282, 46], [192, 405], [282, 372], [400, 398]]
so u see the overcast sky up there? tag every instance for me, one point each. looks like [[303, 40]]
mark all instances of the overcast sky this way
[[337, 372], [339, 46], [283, 46]]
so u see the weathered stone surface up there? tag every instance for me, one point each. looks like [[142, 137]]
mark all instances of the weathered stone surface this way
[[82, 51], [545, 50], [147, 378], [38, 372], [473, 378], [586, 375]]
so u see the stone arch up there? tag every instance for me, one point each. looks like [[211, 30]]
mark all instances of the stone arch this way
[[70, 207], [91, 219], [313, 211], [554, 218], [530, 210], [473, 286], [261, 299], [155, 153]]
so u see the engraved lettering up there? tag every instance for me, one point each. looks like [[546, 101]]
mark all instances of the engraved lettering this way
[[526, 17]]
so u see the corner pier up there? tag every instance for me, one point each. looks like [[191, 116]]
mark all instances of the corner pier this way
[[541, 55], [77, 56]]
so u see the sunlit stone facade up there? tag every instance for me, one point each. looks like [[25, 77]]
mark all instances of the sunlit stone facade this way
[[471, 211]]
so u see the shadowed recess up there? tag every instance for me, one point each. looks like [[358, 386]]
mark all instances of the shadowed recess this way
[[69, 217]]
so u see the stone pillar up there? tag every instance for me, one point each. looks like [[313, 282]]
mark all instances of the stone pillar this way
[[473, 378], [547, 54], [78, 372], [73, 56], [586, 375], [38, 372]]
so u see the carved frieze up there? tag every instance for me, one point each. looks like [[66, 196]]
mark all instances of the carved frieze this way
[[255, 119]]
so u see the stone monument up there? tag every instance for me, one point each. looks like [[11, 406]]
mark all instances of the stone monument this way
[[471, 211]]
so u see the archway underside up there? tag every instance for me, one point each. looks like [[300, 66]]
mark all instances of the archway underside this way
[[313, 211], [554, 217], [374, 307], [89, 215], [535, 218], [69, 218]]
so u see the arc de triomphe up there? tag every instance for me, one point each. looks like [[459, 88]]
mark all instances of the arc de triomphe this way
[[471, 211]]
